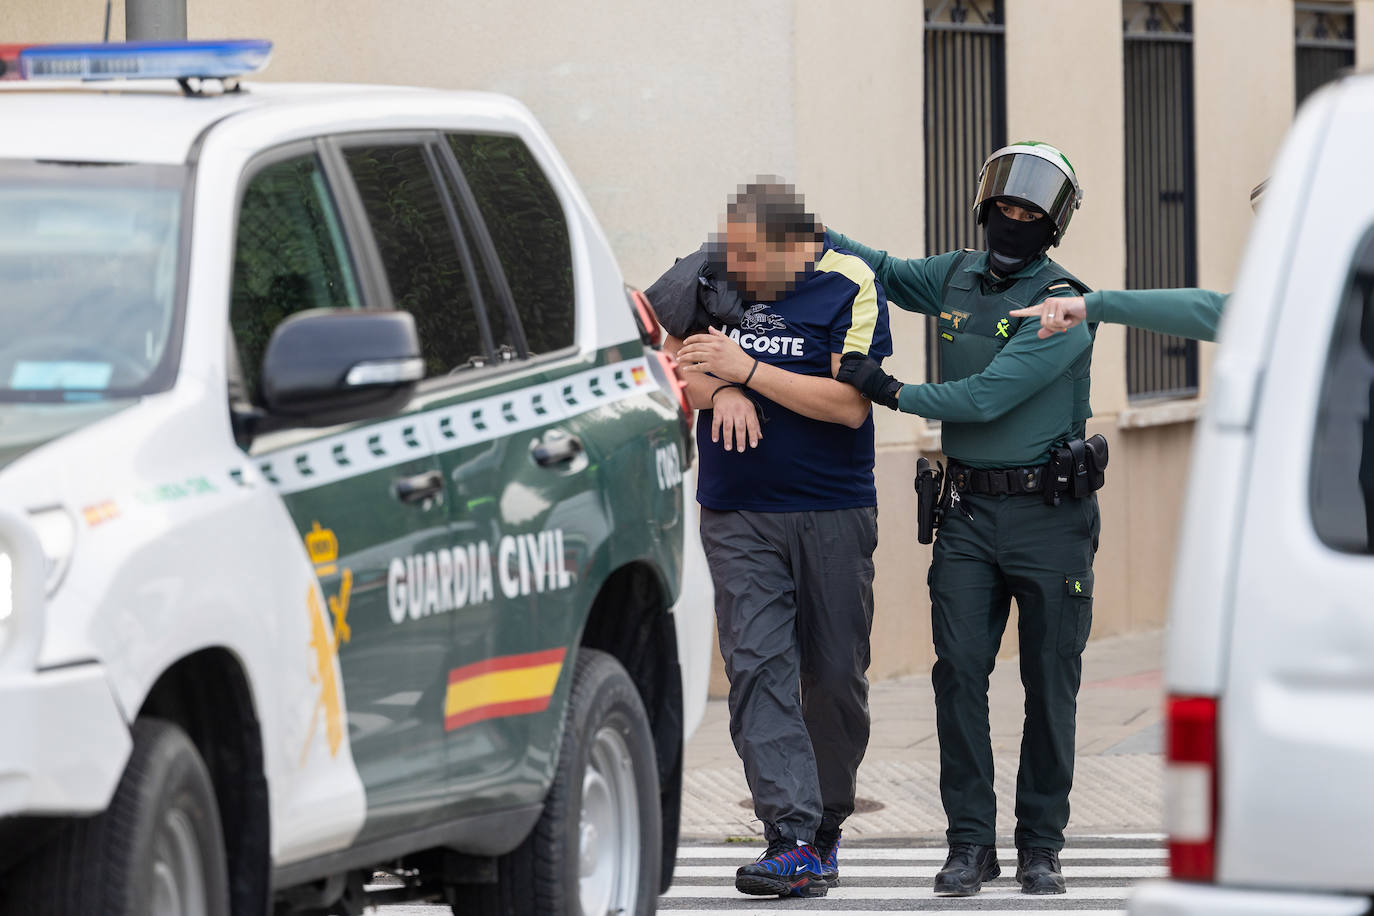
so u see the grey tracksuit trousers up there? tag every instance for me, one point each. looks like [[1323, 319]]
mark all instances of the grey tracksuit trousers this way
[[794, 610]]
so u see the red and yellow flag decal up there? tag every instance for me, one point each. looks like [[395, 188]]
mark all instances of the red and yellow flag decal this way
[[509, 685]]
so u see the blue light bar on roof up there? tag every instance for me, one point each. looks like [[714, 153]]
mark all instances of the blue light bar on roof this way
[[144, 60]]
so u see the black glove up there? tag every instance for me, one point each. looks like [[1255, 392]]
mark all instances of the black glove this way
[[864, 373]]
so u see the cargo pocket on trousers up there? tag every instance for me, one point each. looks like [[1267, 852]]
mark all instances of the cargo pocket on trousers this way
[[1077, 619]]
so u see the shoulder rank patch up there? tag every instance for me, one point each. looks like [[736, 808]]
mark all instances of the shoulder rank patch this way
[[1060, 285]]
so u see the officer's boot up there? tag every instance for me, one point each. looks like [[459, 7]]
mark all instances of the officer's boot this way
[[1038, 871], [967, 867]]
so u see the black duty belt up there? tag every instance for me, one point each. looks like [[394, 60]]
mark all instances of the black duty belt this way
[[997, 481]]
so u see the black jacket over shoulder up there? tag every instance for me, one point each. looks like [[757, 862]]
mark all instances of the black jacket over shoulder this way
[[692, 295]]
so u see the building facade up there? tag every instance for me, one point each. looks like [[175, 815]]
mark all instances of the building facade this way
[[882, 111]]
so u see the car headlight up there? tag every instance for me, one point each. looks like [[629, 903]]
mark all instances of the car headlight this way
[[57, 533]]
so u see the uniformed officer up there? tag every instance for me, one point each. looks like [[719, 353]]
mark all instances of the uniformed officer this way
[[1009, 397]]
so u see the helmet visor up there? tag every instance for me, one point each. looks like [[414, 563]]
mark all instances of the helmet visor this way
[[1032, 179]]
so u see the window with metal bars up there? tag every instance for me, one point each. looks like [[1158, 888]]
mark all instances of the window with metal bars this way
[[1161, 186], [1324, 44], [965, 120]]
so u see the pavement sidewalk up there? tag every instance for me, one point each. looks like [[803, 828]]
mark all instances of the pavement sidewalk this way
[[1117, 780]]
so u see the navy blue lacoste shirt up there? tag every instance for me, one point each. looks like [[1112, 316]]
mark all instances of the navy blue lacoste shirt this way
[[802, 464]]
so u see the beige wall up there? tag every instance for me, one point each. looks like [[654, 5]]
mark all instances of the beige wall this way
[[859, 149], [1243, 109], [26, 21], [1083, 117], [661, 110], [1364, 34]]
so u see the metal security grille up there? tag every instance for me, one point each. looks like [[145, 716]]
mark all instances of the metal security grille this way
[[1325, 44], [1161, 183], [965, 120]]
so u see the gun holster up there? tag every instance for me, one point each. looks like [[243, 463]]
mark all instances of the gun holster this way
[[930, 497]]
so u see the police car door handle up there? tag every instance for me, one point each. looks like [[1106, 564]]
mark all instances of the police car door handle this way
[[420, 488], [557, 447]]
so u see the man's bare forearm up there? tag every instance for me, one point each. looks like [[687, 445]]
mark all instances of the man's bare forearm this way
[[811, 396], [699, 386]]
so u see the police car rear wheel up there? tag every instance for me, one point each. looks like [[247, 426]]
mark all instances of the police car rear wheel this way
[[608, 833], [157, 850], [597, 846]]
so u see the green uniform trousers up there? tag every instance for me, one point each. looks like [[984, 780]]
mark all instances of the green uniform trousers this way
[[1041, 555]]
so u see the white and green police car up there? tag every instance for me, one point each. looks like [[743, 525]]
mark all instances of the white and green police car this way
[[342, 513]]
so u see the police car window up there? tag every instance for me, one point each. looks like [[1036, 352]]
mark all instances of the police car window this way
[[502, 334], [90, 258], [529, 230], [289, 255], [419, 251], [1342, 487]]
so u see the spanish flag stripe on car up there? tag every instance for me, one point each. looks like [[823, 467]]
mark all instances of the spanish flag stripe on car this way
[[508, 685]]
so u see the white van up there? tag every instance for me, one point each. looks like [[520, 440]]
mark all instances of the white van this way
[[1270, 650]]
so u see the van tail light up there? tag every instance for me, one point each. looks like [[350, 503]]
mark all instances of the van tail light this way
[[678, 385], [675, 380], [652, 336], [1190, 787], [650, 331]]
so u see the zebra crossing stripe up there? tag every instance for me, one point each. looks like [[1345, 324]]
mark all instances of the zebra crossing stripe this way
[[1101, 873], [813, 906], [1156, 855], [1134, 872], [1074, 893]]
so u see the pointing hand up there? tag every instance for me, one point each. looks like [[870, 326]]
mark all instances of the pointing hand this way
[[1057, 314]]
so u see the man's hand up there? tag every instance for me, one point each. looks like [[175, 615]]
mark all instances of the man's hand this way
[[717, 354], [734, 416], [864, 373], [1056, 314]]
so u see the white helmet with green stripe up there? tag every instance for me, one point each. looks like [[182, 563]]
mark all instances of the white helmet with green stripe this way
[[1030, 172]]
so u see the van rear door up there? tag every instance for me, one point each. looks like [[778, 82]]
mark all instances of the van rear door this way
[[1296, 713]]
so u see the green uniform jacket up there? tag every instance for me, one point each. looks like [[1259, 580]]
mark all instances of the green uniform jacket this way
[[1024, 367], [1191, 313]]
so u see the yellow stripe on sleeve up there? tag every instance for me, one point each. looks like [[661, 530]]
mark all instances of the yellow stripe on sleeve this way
[[864, 317]]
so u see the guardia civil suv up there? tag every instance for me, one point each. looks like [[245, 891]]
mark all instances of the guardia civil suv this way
[[342, 514]]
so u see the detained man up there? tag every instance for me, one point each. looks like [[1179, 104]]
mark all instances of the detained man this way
[[789, 522]]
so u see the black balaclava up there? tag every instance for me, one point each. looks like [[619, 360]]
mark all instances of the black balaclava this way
[[1013, 243]]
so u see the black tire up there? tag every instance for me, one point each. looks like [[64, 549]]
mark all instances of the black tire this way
[[542, 875], [106, 864]]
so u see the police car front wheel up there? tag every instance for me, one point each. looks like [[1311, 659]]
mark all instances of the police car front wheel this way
[[157, 850]]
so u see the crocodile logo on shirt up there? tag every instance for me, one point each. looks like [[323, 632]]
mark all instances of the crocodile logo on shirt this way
[[758, 318]]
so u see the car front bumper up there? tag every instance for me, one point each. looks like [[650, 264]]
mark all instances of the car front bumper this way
[[63, 741], [1178, 898]]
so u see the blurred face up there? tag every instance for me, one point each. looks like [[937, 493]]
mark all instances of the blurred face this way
[[764, 270]]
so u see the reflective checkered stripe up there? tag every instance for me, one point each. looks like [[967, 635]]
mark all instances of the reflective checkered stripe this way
[[390, 442]]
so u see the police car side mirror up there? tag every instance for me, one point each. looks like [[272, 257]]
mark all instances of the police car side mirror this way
[[328, 366]]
